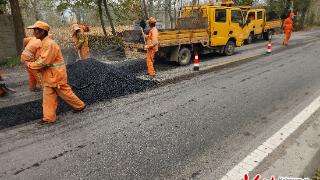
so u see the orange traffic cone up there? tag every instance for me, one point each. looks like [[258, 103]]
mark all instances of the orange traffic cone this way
[[196, 62]]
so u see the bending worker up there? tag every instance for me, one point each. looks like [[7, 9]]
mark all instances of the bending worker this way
[[31, 45], [80, 40], [287, 28], [151, 45], [54, 75]]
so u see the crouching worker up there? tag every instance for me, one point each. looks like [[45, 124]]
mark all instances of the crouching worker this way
[[80, 40], [54, 75], [31, 45]]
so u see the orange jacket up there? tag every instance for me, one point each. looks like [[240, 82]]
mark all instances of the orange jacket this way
[[152, 40], [31, 45], [288, 24], [80, 39], [50, 63]]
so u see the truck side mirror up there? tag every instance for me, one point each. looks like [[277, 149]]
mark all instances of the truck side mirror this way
[[248, 21]]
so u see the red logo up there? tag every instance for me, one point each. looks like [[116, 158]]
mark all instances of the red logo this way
[[257, 177]]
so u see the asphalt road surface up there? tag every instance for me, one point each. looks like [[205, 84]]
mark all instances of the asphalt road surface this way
[[188, 130]]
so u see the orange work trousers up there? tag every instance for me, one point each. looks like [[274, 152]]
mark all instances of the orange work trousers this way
[[34, 78], [84, 52], [150, 62], [50, 100], [287, 35]]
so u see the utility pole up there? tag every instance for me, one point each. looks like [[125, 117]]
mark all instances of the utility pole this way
[[291, 6]]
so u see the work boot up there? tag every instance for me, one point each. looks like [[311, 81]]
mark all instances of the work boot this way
[[80, 110], [43, 122], [151, 77]]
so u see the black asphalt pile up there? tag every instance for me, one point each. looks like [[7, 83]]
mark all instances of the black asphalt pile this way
[[91, 80]]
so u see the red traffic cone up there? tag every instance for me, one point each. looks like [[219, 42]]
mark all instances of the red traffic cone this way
[[196, 62], [269, 48]]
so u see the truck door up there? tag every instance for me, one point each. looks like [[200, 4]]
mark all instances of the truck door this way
[[219, 26], [252, 25], [259, 22], [236, 26]]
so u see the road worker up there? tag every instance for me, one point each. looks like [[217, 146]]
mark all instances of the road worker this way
[[80, 40], [54, 75], [151, 46], [287, 28], [31, 45]]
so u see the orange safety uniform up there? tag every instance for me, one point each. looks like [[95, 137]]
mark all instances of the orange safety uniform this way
[[54, 79], [31, 45], [287, 28], [152, 47], [81, 41]]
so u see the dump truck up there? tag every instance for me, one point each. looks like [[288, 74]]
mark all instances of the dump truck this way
[[203, 29], [261, 25]]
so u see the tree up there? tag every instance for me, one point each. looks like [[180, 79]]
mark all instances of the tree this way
[[144, 5], [18, 24], [99, 2], [3, 8], [109, 17]]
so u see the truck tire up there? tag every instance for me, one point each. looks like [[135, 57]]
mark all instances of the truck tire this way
[[184, 56], [268, 35], [250, 38], [229, 48]]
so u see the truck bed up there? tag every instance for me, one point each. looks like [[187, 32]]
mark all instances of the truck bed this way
[[179, 37], [272, 24]]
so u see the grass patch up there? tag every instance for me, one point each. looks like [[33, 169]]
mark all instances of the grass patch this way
[[11, 61], [316, 175]]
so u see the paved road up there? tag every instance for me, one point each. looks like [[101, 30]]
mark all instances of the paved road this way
[[192, 129]]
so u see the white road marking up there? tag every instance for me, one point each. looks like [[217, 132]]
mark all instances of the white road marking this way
[[257, 156]]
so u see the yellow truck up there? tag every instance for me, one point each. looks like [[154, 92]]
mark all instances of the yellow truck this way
[[203, 29], [261, 25]]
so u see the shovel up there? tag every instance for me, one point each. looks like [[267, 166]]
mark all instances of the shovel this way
[[7, 89]]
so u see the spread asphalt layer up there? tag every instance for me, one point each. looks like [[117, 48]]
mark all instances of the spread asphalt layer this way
[[96, 82]]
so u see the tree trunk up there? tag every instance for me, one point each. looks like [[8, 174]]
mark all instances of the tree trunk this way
[[109, 17], [101, 17], [151, 8], [145, 9], [166, 13], [37, 14], [312, 16], [18, 24]]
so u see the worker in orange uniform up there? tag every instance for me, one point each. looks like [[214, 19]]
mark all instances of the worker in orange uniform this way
[[151, 46], [80, 40], [287, 28], [31, 45], [54, 75]]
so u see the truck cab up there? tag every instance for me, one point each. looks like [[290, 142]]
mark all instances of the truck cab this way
[[259, 26]]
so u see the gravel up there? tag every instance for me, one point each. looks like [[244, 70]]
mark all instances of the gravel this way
[[91, 80]]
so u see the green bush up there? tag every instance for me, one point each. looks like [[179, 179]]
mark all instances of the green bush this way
[[11, 61], [316, 175]]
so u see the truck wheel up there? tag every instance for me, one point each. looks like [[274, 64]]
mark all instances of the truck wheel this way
[[184, 56], [250, 39], [229, 48], [267, 35]]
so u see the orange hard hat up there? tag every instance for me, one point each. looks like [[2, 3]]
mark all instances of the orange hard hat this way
[[74, 28], [152, 20], [40, 25], [292, 14]]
